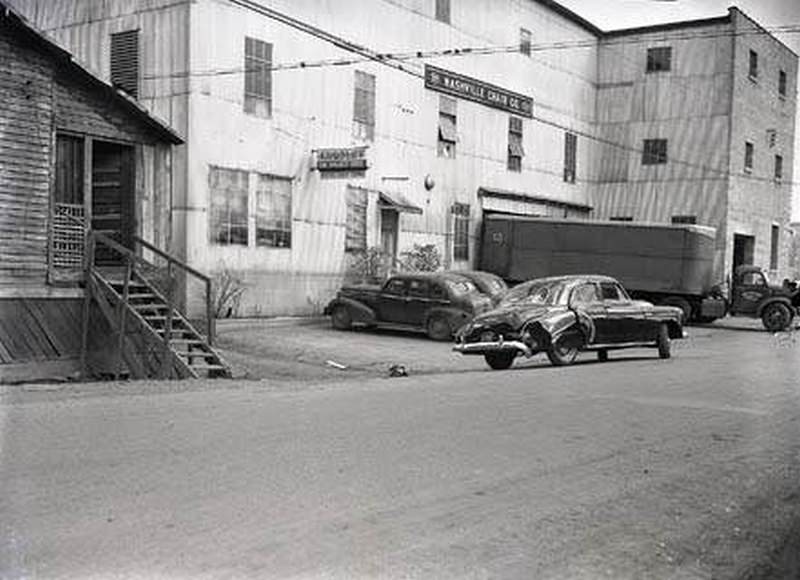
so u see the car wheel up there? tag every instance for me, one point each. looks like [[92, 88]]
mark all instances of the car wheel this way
[[439, 328], [663, 342], [565, 349], [681, 303], [500, 361], [602, 355], [776, 317], [341, 319]]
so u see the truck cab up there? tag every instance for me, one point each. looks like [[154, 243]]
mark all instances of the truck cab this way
[[753, 295]]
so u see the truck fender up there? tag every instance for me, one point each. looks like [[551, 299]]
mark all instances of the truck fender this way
[[359, 311], [773, 300]]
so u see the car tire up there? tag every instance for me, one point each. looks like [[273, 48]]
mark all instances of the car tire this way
[[602, 355], [776, 317], [340, 318], [681, 303], [439, 328], [565, 349], [500, 361], [663, 342]]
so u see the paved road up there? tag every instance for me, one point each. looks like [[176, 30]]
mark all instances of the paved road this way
[[635, 468]]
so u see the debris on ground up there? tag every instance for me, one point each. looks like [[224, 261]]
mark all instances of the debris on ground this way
[[336, 365], [398, 371]]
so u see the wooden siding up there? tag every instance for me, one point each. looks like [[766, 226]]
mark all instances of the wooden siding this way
[[25, 146], [39, 329]]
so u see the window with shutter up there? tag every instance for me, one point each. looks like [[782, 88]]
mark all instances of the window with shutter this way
[[749, 153], [448, 134], [753, 68], [364, 106], [257, 77], [659, 59], [443, 11], [124, 61], [778, 173], [782, 84], [654, 152], [525, 41], [356, 225], [273, 211], [515, 149]]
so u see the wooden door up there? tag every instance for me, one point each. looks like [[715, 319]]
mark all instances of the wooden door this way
[[113, 196]]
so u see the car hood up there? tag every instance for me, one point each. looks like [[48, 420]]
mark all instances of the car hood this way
[[514, 316]]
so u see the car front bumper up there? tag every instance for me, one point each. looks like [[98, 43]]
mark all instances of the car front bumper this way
[[493, 346]]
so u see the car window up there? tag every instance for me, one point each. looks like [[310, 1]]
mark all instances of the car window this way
[[396, 287], [437, 292], [753, 279], [585, 294], [461, 287], [539, 292], [610, 291], [418, 288]]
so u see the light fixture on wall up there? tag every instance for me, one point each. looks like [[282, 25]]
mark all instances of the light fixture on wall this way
[[429, 183]]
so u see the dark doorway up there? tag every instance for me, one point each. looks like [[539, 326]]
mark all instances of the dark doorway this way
[[389, 227], [113, 196], [743, 250]]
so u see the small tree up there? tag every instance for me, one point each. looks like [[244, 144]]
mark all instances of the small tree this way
[[226, 291], [367, 266], [421, 258]]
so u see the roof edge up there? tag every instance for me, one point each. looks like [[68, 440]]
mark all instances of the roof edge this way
[[667, 26], [572, 16], [134, 107]]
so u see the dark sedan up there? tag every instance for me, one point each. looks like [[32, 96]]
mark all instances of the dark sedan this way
[[487, 283], [438, 303], [564, 315]]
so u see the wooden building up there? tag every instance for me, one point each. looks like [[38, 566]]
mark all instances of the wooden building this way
[[76, 156]]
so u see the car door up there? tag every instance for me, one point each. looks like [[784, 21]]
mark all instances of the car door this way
[[750, 290], [624, 316], [418, 302], [392, 301], [586, 301]]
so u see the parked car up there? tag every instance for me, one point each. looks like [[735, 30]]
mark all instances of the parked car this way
[[487, 283], [564, 315], [438, 303]]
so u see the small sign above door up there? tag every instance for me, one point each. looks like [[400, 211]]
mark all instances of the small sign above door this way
[[342, 159]]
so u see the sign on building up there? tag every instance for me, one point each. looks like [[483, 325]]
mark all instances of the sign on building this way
[[457, 85], [342, 159]]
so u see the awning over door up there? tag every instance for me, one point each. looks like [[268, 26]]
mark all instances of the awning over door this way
[[398, 202]]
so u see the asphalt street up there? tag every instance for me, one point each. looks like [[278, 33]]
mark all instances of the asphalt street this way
[[633, 468]]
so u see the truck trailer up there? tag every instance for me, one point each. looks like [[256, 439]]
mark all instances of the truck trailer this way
[[661, 263]]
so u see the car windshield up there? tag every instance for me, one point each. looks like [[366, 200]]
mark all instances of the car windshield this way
[[461, 287], [545, 292]]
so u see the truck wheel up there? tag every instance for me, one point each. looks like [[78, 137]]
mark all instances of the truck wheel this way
[[565, 349], [439, 329], [663, 342], [500, 361], [340, 318], [681, 303], [776, 316]]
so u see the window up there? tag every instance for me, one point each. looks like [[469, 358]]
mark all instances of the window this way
[[443, 11], [611, 291], [273, 211], [418, 288], [659, 59], [364, 106], [570, 156], [356, 227], [684, 219], [447, 128], [396, 286], [621, 218], [748, 157], [525, 41], [753, 279], [753, 70], [782, 84], [125, 61], [228, 207], [515, 150], [654, 152], [773, 247], [257, 77], [460, 231], [584, 294], [438, 292], [778, 167]]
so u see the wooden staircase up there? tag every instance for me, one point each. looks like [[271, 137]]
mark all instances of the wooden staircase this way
[[153, 338]]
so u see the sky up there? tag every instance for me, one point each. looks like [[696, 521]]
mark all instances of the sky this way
[[612, 14]]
